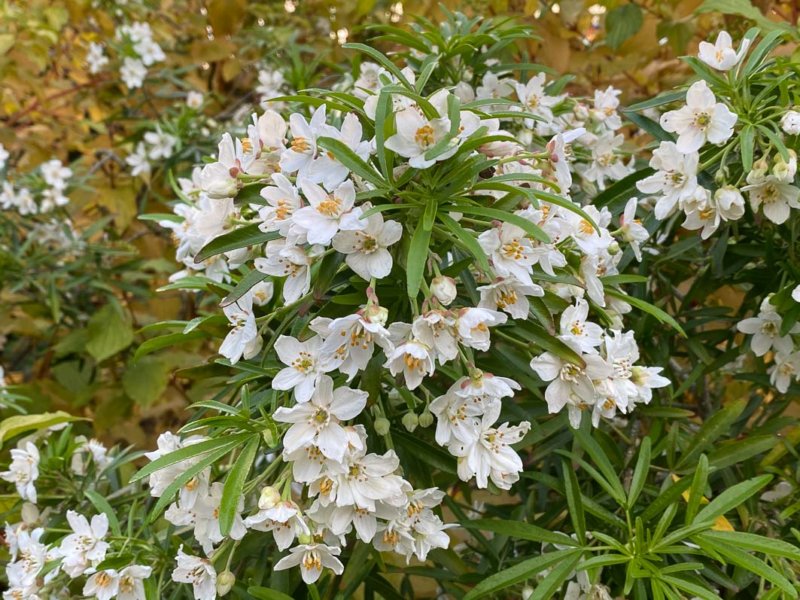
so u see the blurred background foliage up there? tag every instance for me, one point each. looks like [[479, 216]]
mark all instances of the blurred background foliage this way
[[69, 327]]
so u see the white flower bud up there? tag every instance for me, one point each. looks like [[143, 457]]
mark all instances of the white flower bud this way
[[527, 592], [269, 498], [790, 123], [426, 418], [225, 581], [730, 203], [410, 421], [445, 290], [377, 314], [382, 425]]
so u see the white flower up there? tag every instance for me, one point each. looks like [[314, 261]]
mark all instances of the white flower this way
[[535, 100], [138, 161], [197, 571], [570, 385], [3, 156], [292, 262], [721, 55], [159, 480], [510, 250], [24, 471], [796, 294], [410, 356], [646, 379], [243, 339], [790, 122], [775, 197], [326, 169], [312, 558], [96, 58], [607, 163], [702, 119], [306, 365], [327, 213], [133, 72], [786, 368], [206, 519], [362, 480], [632, 229], [84, 548], [576, 331], [103, 585], [303, 149], [33, 555], [351, 339], [701, 212], [194, 99], [765, 329], [605, 107], [675, 179], [490, 455], [92, 447], [282, 519], [220, 179], [161, 144], [473, 326], [366, 249], [282, 202], [56, 174], [131, 582], [436, 330], [416, 135], [317, 421]]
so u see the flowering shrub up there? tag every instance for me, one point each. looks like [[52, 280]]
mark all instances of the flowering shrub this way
[[441, 351]]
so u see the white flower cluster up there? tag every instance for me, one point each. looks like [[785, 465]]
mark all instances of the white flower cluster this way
[[770, 184], [781, 348], [47, 191], [34, 566], [156, 145], [310, 200], [138, 50]]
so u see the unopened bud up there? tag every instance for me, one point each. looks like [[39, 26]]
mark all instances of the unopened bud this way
[[410, 421], [613, 248], [444, 288], [426, 418], [382, 425], [225, 581], [527, 592], [269, 498], [304, 539], [377, 314]]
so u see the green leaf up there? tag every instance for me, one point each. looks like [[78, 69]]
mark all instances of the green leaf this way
[[650, 309], [167, 341], [381, 59], [746, 141], [249, 235], [622, 23], [719, 424], [262, 593], [640, 472], [742, 8], [519, 572], [734, 452], [352, 161], [696, 492], [102, 505], [417, 259], [227, 443], [110, 332], [234, 484], [556, 578], [468, 240], [749, 562], [732, 497], [246, 283], [600, 458], [13, 426], [521, 530], [572, 492], [756, 543], [507, 217]]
